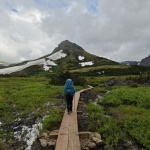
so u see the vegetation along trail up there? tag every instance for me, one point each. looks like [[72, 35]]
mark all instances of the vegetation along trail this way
[[26, 105], [118, 108]]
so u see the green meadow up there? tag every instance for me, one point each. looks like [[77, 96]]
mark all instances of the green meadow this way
[[127, 114], [26, 99], [40, 97]]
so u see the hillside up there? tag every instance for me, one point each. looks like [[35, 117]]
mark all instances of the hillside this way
[[66, 56]]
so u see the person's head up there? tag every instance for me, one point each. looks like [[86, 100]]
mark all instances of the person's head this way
[[69, 81]]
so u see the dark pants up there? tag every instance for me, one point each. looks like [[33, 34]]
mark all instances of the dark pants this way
[[69, 99]]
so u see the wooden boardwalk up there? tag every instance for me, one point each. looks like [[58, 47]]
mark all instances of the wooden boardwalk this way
[[68, 136]]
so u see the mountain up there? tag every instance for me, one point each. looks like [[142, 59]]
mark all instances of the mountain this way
[[66, 56], [145, 61], [130, 63]]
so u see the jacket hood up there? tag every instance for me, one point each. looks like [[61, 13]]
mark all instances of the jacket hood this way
[[69, 81]]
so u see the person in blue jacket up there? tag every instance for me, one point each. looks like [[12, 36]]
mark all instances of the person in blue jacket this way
[[69, 91]]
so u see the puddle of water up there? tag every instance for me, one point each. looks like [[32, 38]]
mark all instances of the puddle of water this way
[[107, 92], [99, 97], [49, 104], [134, 145], [26, 132]]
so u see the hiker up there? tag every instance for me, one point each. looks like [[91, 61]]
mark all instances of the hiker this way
[[69, 91]]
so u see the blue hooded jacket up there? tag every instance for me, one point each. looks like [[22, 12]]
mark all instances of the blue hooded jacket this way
[[69, 81]]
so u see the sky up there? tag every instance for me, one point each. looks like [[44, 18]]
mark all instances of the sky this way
[[115, 29]]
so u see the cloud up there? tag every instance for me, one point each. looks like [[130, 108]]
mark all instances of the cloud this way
[[118, 29]]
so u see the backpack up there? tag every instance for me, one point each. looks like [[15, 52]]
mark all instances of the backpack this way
[[69, 87]]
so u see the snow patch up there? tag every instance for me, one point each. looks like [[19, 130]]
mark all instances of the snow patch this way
[[28, 64], [0, 123], [46, 62], [101, 72], [57, 55], [86, 63], [81, 57]]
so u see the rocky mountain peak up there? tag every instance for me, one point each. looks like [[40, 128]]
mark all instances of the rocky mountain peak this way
[[146, 61], [69, 44]]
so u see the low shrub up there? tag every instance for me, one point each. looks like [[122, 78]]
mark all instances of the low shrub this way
[[107, 126], [52, 120], [129, 96]]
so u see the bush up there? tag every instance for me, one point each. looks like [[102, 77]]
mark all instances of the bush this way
[[139, 129], [134, 85], [54, 119], [111, 101], [129, 96], [103, 124], [61, 77]]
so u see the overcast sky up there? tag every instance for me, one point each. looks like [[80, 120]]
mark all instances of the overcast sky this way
[[115, 29]]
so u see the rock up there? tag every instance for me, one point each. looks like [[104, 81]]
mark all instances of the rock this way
[[91, 145], [51, 143], [98, 136], [43, 142], [94, 139], [99, 142], [44, 135], [113, 82], [145, 61], [91, 134]]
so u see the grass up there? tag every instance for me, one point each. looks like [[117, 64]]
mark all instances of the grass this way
[[102, 79], [107, 126], [132, 108], [98, 67], [21, 96], [53, 119], [129, 96], [26, 98]]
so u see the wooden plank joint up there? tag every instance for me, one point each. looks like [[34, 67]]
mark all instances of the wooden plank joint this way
[[82, 135]]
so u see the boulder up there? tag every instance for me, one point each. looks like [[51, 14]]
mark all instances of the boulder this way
[[44, 135], [43, 142], [91, 145], [51, 143], [94, 139], [98, 136], [99, 142]]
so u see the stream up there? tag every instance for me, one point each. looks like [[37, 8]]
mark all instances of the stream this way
[[23, 131]]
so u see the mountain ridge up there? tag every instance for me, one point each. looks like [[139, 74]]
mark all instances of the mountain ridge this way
[[145, 61], [130, 63], [66, 56], [67, 43]]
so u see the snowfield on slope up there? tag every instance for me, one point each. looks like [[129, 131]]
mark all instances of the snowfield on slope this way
[[81, 57], [46, 62], [90, 63]]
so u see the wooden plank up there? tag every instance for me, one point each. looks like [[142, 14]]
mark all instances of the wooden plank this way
[[54, 134], [83, 135], [68, 136], [79, 112], [62, 140]]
